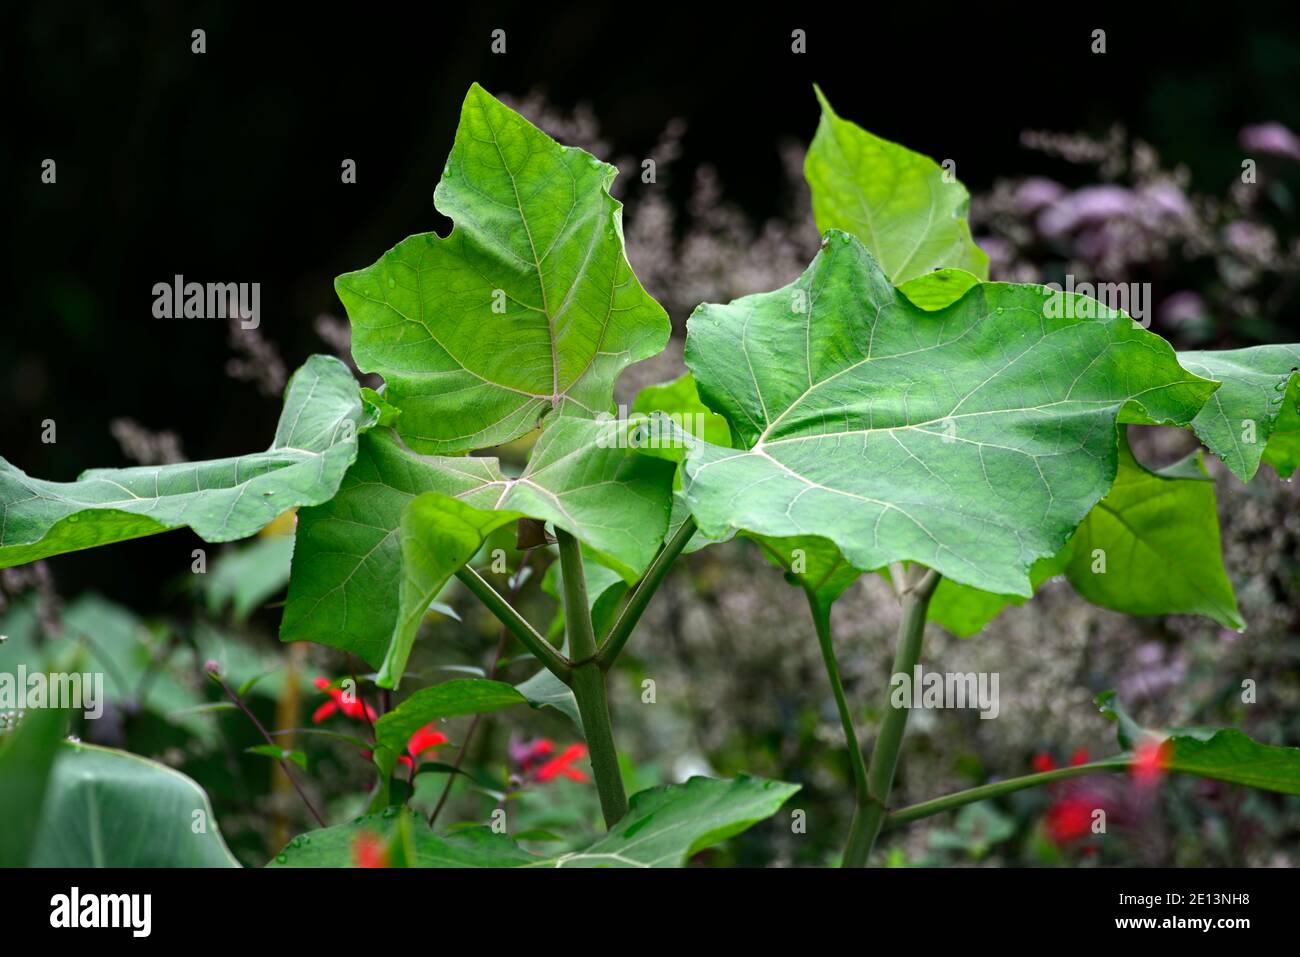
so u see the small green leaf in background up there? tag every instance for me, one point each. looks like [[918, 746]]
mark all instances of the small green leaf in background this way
[[279, 754], [664, 827], [221, 500], [900, 204], [246, 576], [527, 308]]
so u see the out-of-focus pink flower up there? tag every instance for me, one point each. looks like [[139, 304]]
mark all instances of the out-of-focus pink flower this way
[[1084, 207], [1034, 193], [1183, 308], [1271, 139], [1162, 199], [528, 754]]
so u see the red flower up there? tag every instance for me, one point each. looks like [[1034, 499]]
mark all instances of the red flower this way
[[421, 741], [563, 765], [1080, 756], [350, 705], [1150, 759], [1044, 762], [368, 850], [1069, 818]]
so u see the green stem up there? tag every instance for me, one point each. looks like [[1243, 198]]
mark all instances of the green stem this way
[[622, 629], [914, 594], [518, 626], [821, 614], [588, 682], [948, 802]]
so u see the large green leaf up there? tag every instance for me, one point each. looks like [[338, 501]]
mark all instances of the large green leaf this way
[[447, 700], [1224, 754], [27, 756], [973, 439], [348, 576], [220, 500], [663, 828], [1238, 421], [107, 808], [529, 306], [1151, 547], [895, 201]]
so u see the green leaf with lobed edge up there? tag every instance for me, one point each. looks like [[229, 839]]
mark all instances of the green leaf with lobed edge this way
[[973, 439], [900, 204], [1223, 754], [663, 827], [349, 588], [1241, 417], [528, 307], [221, 500]]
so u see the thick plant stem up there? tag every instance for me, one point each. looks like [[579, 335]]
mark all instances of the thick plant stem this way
[[518, 626], [587, 680], [821, 613], [622, 629], [588, 686], [915, 599]]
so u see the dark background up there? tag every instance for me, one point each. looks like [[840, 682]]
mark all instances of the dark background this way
[[225, 166]]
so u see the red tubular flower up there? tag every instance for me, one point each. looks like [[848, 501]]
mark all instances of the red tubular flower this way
[[368, 850], [1069, 818], [351, 706], [1043, 762], [563, 765], [1080, 756], [418, 743]]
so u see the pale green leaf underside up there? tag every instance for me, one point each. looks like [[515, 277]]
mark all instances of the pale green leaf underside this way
[[663, 827], [221, 500], [348, 575], [108, 808], [1239, 420], [529, 306], [972, 439], [894, 200]]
